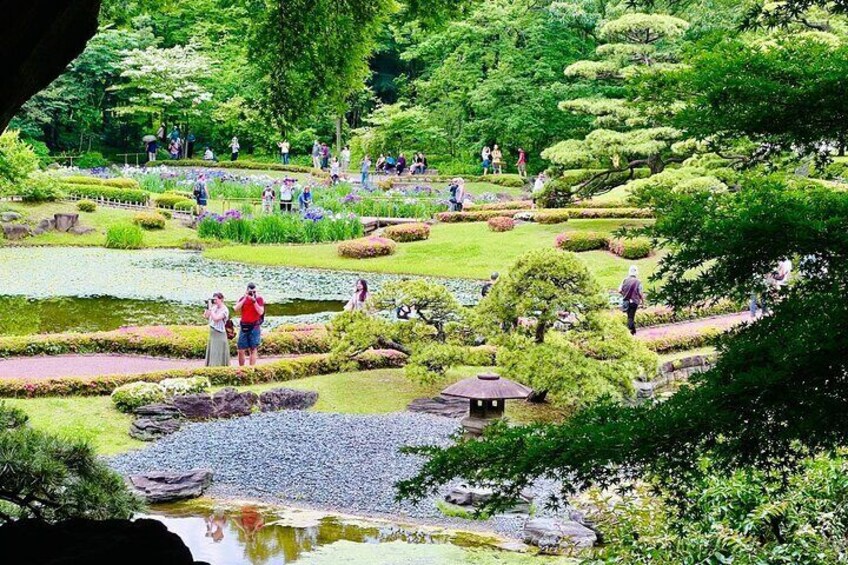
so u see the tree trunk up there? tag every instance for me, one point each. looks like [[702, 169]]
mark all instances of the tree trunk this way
[[339, 135]]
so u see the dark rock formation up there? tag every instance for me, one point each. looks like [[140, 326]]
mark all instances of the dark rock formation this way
[[160, 486], [552, 534], [92, 542], [195, 406], [231, 403], [10, 217], [64, 222], [15, 231], [440, 406], [38, 38], [287, 399], [155, 421]]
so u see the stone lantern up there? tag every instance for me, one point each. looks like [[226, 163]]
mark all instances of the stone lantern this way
[[487, 394]]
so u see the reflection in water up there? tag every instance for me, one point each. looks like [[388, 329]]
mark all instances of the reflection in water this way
[[250, 535]]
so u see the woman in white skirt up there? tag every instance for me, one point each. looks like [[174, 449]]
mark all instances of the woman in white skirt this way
[[218, 346]]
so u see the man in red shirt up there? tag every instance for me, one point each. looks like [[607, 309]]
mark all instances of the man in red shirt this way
[[251, 306]]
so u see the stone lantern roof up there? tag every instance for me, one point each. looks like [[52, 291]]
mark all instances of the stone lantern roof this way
[[486, 386]]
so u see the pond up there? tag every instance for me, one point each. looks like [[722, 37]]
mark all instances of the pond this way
[[84, 289], [256, 535]]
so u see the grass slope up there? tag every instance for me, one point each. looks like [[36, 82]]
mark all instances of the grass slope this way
[[467, 250]]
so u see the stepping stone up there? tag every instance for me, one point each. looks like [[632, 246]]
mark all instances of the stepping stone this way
[[440, 406]]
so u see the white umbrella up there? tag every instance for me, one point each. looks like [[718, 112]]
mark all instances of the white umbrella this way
[[148, 138]]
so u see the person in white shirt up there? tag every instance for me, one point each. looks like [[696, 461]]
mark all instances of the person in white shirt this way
[[538, 187], [208, 155], [268, 196], [234, 146], [286, 195], [284, 151], [345, 159]]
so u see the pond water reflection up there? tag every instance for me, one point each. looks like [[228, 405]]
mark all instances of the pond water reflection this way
[[252, 535]]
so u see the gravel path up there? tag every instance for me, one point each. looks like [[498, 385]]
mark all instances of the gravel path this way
[[692, 327], [93, 365], [335, 462]]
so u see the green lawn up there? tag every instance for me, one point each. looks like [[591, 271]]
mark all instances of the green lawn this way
[[468, 250], [478, 188], [363, 392], [175, 233]]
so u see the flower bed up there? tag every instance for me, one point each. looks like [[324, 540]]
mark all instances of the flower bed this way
[[501, 224], [637, 248], [404, 233], [582, 241], [133, 395], [366, 247], [314, 226], [162, 341], [247, 165]]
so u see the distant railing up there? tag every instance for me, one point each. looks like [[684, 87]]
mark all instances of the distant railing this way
[[136, 156]]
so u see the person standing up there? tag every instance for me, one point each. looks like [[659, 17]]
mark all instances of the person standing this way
[[316, 155], [251, 306], [286, 195], [190, 145], [486, 156], [201, 192], [268, 197], [160, 133], [284, 146], [538, 187], [364, 170], [521, 164], [217, 347], [632, 297], [234, 149], [175, 133], [152, 148], [497, 160], [325, 156], [335, 171], [359, 298], [345, 159]]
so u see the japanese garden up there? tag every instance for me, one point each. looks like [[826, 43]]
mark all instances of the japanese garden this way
[[416, 281]]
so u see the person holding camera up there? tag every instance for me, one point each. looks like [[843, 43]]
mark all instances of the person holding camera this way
[[218, 347], [251, 306]]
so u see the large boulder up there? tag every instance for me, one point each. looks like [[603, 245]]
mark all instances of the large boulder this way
[[554, 534], [155, 421], [10, 217], [160, 486], [447, 407], [287, 399], [47, 224], [231, 403], [195, 406], [92, 542], [15, 231], [81, 230], [64, 222]]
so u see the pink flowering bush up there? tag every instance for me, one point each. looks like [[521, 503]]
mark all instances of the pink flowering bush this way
[[581, 241], [637, 248], [501, 224], [407, 232], [366, 247]]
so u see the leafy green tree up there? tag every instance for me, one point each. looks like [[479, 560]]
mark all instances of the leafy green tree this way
[[432, 304], [51, 479], [17, 162], [395, 128]]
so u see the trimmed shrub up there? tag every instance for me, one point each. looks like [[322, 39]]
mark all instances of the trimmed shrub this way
[[118, 182], [39, 187], [149, 220], [555, 194], [102, 192], [506, 180], [657, 315], [552, 216], [249, 165], [190, 385], [624, 213], [408, 232], [473, 216], [86, 206], [130, 396], [172, 201], [366, 247], [121, 182], [501, 224], [184, 206], [594, 204], [124, 236], [582, 241], [637, 248], [166, 214], [161, 341], [507, 205], [671, 343]]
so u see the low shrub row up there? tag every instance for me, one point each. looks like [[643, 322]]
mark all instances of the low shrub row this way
[[149, 220], [658, 315], [366, 247], [404, 233], [637, 248], [594, 204], [610, 213], [501, 224], [672, 343], [118, 182], [473, 215], [506, 205], [582, 241], [174, 201], [546, 216], [164, 341], [102, 192], [249, 165], [283, 370], [133, 395], [558, 216]]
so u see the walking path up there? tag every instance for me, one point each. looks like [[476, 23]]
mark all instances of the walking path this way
[[45, 367], [692, 327]]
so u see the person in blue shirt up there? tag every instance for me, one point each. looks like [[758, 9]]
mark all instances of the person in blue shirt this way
[[175, 133], [305, 198]]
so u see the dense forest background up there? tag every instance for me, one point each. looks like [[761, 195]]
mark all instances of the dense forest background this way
[[446, 78]]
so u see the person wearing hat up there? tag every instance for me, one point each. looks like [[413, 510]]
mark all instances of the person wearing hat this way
[[251, 306], [487, 286], [632, 296], [217, 347], [286, 195]]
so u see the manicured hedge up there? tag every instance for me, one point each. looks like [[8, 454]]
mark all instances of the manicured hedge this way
[[474, 215], [102, 192], [403, 233], [506, 205], [552, 216], [505, 180], [149, 220], [366, 247], [174, 201], [637, 248], [249, 165], [548, 215], [283, 370], [86, 206], [501, 224], [658, 315], [118, 182], [593, 204], [165, 341], [582, 241], [623, 213], [671, 343]]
